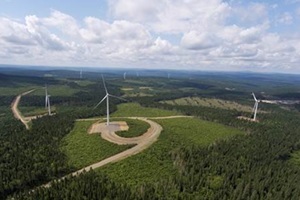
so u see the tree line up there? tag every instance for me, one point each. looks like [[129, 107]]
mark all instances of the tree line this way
[[252, 166]]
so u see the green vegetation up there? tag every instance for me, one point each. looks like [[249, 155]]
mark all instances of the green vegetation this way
[[90, 186], [136, 128], [295, 157], [30, 158], [135, 110], [215, 103], [84, 83], [193, 131], [156, 163], [138, 91], [5, 113], [34, 111], [189, 161], [83, 149], [55, 90], [8, 91]]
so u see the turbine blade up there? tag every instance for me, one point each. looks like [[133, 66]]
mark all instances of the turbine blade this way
[[253, 109], [118, 97], [254, 96], [104, 85], [46, 101], [46, 96], [49, 108], [101, 101]]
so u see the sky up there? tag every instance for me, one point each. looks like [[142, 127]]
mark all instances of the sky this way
[[218, 35]]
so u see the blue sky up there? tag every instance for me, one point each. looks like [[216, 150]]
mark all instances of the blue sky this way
[[229, 35], [78, 9]]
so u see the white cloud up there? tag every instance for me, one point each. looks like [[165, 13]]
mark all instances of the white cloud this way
[[179, 34], [252, 12], [172, 16], [43, 36], [118, 40], [138, 10], [65, 23], [196, 41], [161, 47], [14, 32], [286, 18]]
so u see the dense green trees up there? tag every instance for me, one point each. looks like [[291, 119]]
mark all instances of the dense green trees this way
[[31, 157], [252, 166], [88, 186]]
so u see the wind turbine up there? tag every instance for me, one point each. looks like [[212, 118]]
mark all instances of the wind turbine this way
[[107, 101], [124, 75], [255, 106], [80, 74], [47, 100]]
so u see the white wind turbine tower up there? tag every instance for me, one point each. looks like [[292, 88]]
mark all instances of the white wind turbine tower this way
[[47, 100], [124, 75], [255, 106], [107, 101], [80, 74]]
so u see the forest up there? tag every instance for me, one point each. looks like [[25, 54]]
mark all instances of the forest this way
[[256, 165]]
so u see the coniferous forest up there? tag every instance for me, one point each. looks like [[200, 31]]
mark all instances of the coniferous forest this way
[[256, 165]]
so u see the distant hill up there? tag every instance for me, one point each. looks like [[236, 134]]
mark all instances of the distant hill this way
[[13, 80]]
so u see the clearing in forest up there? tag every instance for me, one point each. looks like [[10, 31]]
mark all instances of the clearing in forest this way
[[215, 103], [83, 149], [136, 110], [156, 162]]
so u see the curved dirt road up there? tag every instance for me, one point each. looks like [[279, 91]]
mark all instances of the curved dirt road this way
[[143, 142], [15, 110]]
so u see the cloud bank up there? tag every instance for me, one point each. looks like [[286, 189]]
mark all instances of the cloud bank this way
[[177, 34]]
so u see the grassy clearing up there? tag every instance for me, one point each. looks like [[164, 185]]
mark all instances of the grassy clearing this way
[[136, 128], [127, 89], [135, 110], [197, 131], [215, 103], [84, 83], [83, 149], [155, 163], [61, 90], [14, 91], [295, 158], [137, 92], [55, 90], [34, 111]]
